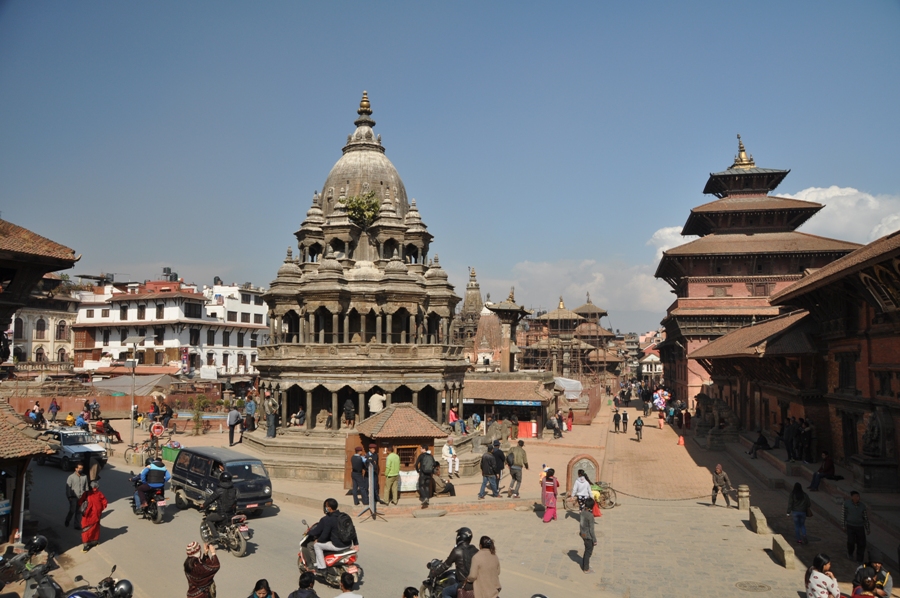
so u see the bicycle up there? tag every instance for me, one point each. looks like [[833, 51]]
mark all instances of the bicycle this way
[[608, 499], [150, 448]]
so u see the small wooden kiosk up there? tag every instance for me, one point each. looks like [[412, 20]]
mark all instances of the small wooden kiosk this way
[[403, 427]]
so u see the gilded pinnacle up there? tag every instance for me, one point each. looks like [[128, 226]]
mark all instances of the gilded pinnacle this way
[[364, 106], [743, 160]]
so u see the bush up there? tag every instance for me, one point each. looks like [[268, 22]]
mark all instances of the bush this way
[[363, 209]]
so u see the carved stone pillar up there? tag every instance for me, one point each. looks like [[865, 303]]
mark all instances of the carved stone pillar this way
[[309, 413], [412, 328], [335, 418], [387, 402], [311, 332], [378, 329], [346, 328], [415, 397], [282, 402], [334, 329], [459, 405], [362, 406], [389, 331], [321, 324]]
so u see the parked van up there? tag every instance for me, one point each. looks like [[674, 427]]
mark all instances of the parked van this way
[[195, 475]]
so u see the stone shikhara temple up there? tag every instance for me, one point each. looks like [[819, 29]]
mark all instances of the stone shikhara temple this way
[[360, 309]]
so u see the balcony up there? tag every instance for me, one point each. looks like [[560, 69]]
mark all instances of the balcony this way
[[358, 351], [49, 367]]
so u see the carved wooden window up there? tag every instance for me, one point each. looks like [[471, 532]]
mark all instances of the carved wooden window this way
[[210, 337], [846, 371], [160, 311], [884, 384]]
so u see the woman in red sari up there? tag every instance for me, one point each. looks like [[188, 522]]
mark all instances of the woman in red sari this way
[[94, 503], [549, 486]]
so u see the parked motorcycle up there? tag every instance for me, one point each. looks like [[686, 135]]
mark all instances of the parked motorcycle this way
[[39, 583], [233, 535], [432, 587], [13, 569], [156, 502], [336, 562], [108, 587]]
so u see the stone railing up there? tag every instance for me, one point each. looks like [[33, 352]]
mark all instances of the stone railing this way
[[355, 351], [44, 366]]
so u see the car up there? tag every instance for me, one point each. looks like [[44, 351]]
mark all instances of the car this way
[[71, 445], [195, 475]]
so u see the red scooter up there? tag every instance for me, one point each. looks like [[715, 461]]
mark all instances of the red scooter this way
[[336, 562]]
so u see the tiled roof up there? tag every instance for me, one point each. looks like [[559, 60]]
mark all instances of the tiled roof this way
[[21, 240], [141, 370], [748, 203], [873, 253], [505, 390], [765, 243], [590, 329], [17, 438], [400, 420], [752, 341], [560, 314], [726, 311]]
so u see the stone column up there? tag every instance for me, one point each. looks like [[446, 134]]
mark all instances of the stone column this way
[[346, 328], [335, 418], [311, 332], [415, 397], [378, 328], [387, 402], [389, 332], [321, 339], [309, 413], [439, 333], [282, 401], [462, 396], [412, 328], [362, 406], [440, 406], [335, 338]]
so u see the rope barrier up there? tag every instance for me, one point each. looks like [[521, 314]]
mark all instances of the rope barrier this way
[[660, 499]]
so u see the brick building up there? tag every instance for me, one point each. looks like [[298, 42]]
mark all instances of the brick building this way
[[834, 359], [748, 249]]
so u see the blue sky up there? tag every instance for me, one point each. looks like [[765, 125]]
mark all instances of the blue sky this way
[[555, 147]]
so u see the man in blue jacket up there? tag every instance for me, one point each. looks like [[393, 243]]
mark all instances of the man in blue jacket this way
[[154, 476]]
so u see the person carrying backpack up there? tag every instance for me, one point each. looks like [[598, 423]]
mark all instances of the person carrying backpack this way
[[638, 427], [335, 531], [425, 468]]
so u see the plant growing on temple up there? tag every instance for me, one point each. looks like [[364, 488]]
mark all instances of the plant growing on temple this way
[[362, 209]]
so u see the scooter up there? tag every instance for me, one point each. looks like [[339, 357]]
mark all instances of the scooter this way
[[108, 587], [156, 503], [233, 535], [336, 562], [432, 587]]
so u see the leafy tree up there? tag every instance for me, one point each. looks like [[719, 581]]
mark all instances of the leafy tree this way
[[362, 209]]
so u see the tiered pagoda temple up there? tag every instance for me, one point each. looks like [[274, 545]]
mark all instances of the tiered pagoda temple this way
[[748, 250]]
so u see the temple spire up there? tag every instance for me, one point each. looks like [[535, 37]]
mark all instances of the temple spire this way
[[365, 112], [743, 160], [562, 305]]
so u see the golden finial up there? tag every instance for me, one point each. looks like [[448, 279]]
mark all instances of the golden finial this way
[[512, 295], [472, 273], [743, 160], [364, 106], [561, 304]]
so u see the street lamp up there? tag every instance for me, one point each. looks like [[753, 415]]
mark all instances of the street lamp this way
[[132, 363]]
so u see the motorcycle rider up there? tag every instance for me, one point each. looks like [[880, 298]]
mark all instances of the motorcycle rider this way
[[461, 559], [225, 498], [325, 533], [152, 477]]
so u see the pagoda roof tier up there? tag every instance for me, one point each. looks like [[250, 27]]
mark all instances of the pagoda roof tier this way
[[757, 212], [560, 313], [762, 243], [590, 311], [776, 336], [743, 177]]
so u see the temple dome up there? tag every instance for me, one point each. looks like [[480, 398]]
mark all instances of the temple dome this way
[[364, 167]]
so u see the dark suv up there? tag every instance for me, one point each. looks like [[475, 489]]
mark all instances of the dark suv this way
[[195, 475]]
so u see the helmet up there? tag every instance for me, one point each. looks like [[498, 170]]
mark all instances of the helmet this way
[[463, 535], [36, 544], [147, 462], [225, 477], [123, 589]]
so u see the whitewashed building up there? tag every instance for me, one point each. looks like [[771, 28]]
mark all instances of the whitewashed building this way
[[214, 330]]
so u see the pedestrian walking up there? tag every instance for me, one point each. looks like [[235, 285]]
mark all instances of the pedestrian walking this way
[[271, 407], [549, 491], [76, 486], [488, 473], [722, 484], [625, 422], [662, 418], [250, 414], [200, 568], [392, 477], [500, 459], [92, 504], [638, 428], [617, 420], [262, 590], [306, 584], [789, 434], [517, 459], [449, 454], [360, 489], [855, 521], [234, 420], [798, 509], [820, 581], [581, 489], [54, 409], [425, 468], [484, 572], [586, 531]]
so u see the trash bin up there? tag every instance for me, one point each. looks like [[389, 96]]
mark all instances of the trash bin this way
[[169, 453]]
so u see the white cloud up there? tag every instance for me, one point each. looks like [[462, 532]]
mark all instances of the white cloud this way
[[667, 238], [850, 214]]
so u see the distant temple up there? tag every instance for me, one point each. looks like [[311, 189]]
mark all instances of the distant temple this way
[[748, 250]]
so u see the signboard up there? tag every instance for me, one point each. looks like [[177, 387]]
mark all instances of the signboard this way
[[5, 507], [409, 481], [208, 372], [519, 403]]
